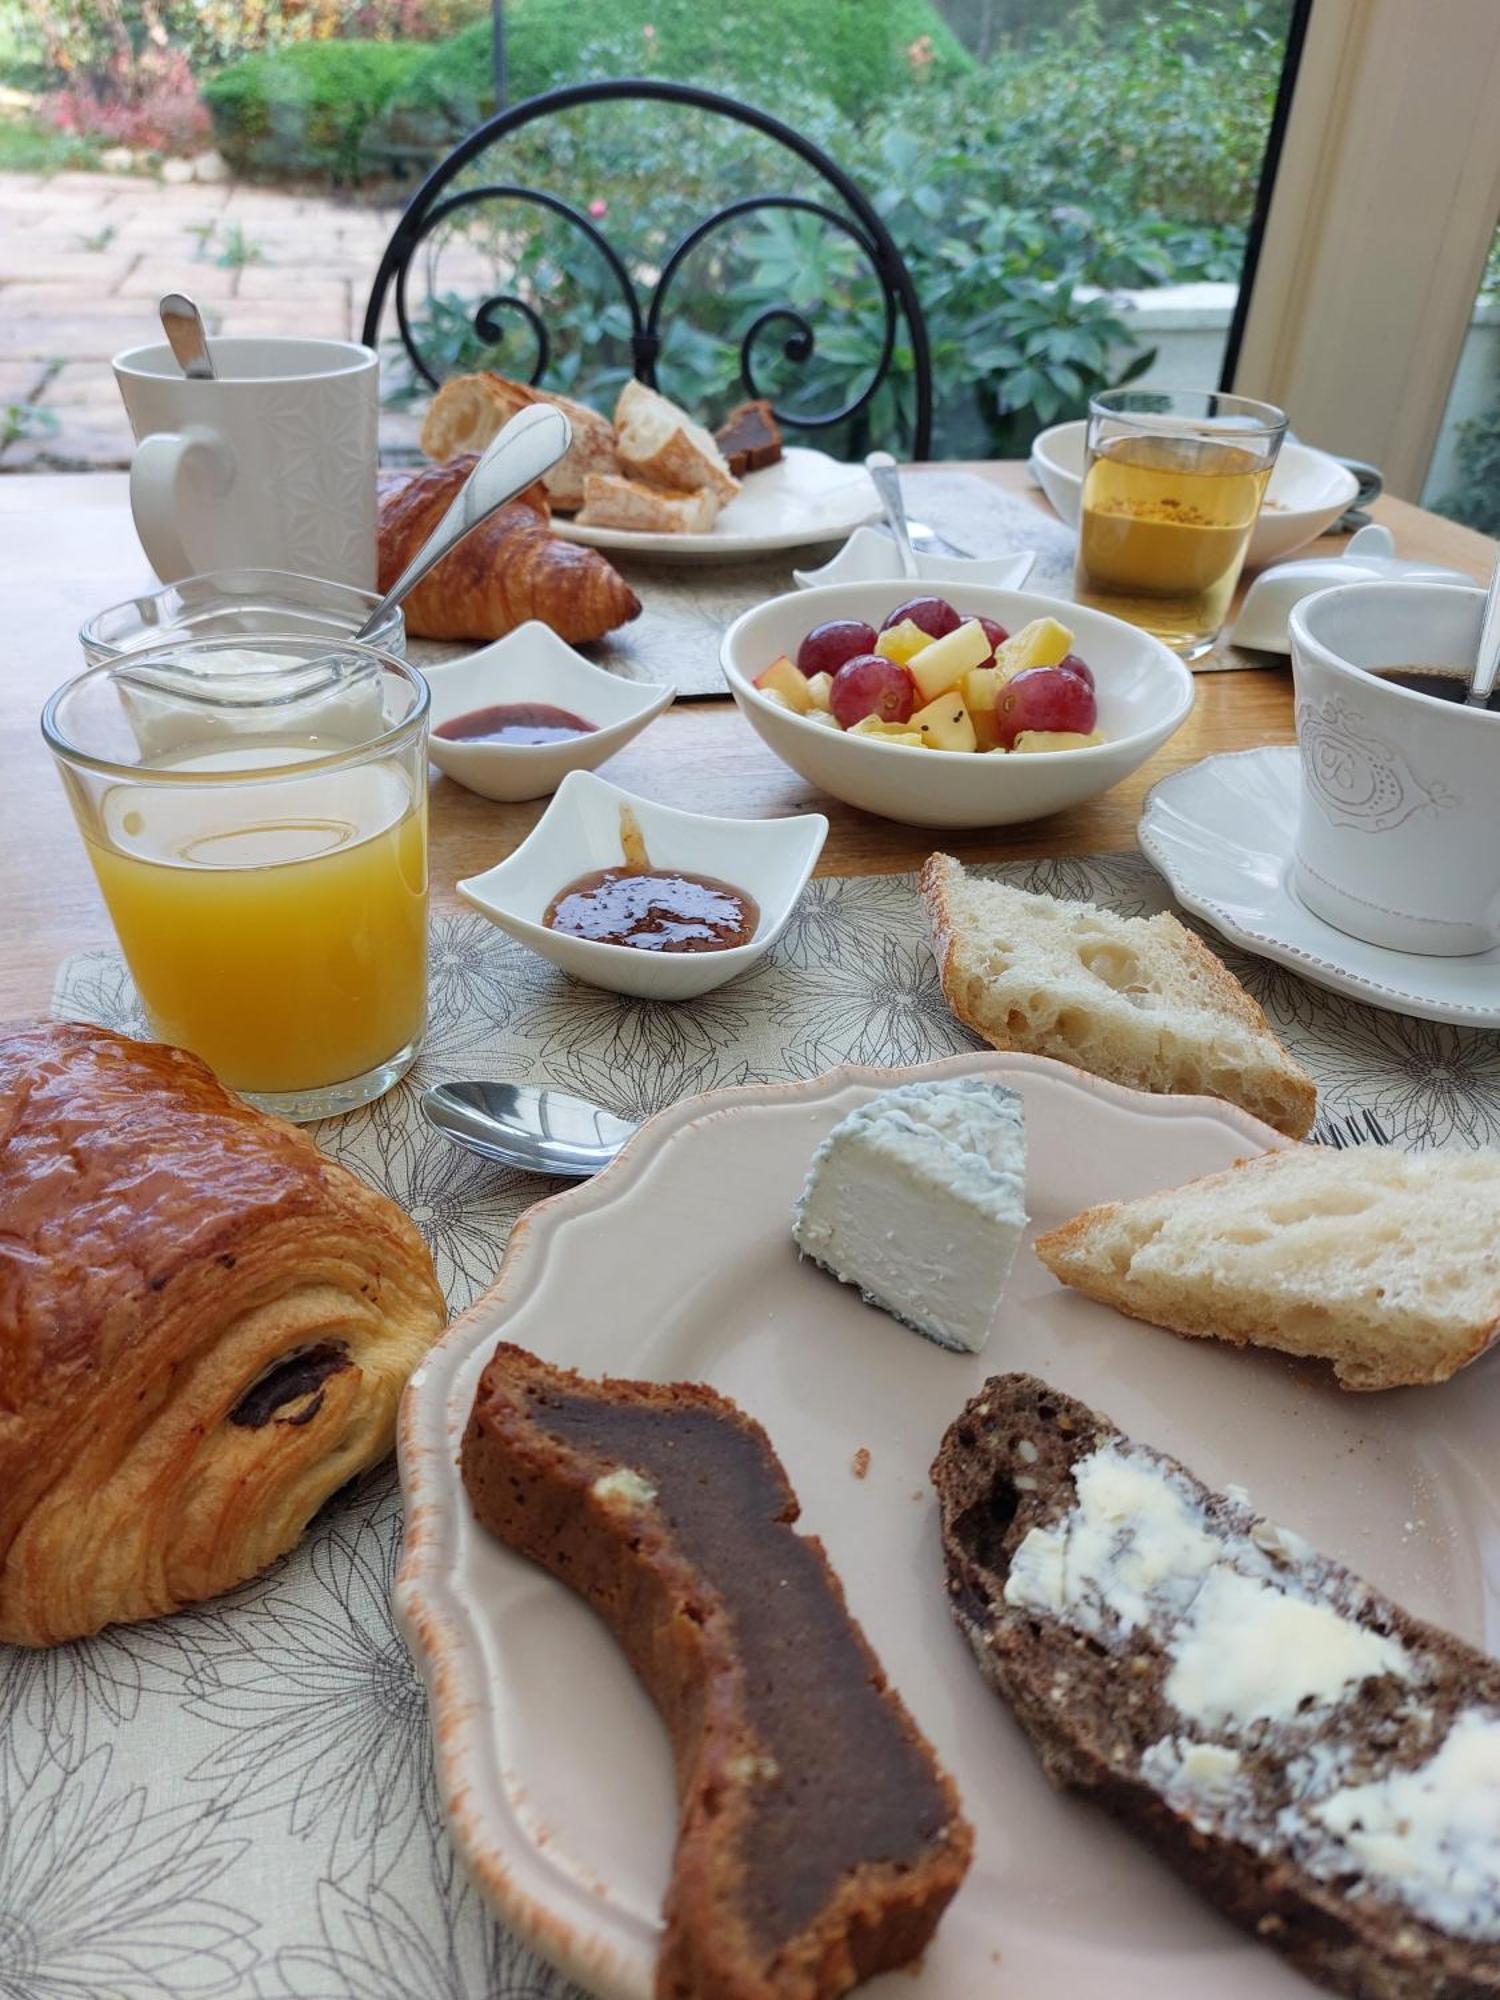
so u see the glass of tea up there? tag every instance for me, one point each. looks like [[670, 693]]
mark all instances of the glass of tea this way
[[1172, 484], [256, 815]]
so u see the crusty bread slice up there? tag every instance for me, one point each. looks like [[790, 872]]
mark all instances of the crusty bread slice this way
[[1324, 1774], [1139, 1000], [467, 411], [661, 444], [1385, 1263], [612, 502]]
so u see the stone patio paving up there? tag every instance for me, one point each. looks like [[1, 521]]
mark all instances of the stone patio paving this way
[[84, 257]]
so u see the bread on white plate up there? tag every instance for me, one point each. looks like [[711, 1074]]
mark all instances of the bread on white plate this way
[[1385, 1263], [1139, 1000], [660, 443], [467, 411], [610, 501]]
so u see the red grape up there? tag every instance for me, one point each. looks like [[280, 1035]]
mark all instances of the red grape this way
[[996, 634], [1044, 698], [1071, 664], [933, 615], [871, 685], [826, 647]]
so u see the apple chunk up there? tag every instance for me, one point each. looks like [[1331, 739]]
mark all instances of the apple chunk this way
[[782, 678], [940, 666], [946, 723]]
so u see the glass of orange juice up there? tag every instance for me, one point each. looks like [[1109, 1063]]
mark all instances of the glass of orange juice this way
[[1172, 484], [256, 814]]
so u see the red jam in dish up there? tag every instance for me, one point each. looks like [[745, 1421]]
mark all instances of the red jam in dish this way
[[654, 909], [515, 722]]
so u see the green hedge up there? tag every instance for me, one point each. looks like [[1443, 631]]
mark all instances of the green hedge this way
[[309, 108]]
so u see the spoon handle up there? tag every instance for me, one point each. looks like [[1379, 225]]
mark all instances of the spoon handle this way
[[187, 336], [882, 469], [529, 445], [1488, 658]]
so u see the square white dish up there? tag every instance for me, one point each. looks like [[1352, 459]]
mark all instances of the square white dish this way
[[533, 664], [580, 832], [870, 556]]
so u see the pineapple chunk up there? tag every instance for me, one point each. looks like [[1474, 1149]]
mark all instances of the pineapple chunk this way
[[946, 723], [940, 666], [826, 716], [981, 688], [782, 678], [1057, 739], [903, 642], [819, 688], [1042, 643], [886, 732]]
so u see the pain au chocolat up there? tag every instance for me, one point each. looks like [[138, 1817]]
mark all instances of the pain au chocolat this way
[[818, 1842], [205, 1328]]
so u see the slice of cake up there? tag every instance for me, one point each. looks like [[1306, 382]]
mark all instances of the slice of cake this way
[[819, 1841], [919, 1199], [749, 437]]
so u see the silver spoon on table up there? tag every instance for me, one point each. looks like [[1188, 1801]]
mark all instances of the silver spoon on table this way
[[1482, 686], [187, 336], [539, 1130]]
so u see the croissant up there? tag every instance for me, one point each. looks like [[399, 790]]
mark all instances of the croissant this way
[[511, 568], [205, 1329]]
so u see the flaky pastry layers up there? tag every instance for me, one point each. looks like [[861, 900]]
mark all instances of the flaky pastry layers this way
[[205, 1329]]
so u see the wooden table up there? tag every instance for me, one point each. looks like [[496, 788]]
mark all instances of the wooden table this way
[[67, 547]]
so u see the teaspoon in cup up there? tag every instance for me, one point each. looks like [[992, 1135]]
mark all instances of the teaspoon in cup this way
[[1482, 685], [539, 1130], [187, 336]]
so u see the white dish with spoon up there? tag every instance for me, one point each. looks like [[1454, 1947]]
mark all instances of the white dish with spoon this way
[[870, 556], [583, 830], [533, 665]]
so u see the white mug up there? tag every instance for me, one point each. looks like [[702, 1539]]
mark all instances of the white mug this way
[[271, 466], [1398, 828]]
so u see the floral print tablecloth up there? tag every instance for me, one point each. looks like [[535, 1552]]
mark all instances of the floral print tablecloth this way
[[239, 1801]]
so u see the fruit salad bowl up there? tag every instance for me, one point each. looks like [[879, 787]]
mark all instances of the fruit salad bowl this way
[[1143, 694]]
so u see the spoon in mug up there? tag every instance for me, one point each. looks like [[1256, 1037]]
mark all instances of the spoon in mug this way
[[539, 1130], [1482, 686], [187, 336]]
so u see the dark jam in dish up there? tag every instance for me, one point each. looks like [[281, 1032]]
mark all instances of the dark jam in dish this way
[[515, 722], [1442, 683], [654, 909]]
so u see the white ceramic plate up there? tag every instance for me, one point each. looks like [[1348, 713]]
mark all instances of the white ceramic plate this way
[[806, 497], [554, 1770], [1221, 832], [1145, 694], [1308, 491]]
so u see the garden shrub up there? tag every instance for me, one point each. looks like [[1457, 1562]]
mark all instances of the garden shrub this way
[[309, 108]]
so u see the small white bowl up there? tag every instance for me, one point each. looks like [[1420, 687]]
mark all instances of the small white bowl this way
[[768, 859], [869, 556], [533, 664], [1307, 492], [1144, 690]]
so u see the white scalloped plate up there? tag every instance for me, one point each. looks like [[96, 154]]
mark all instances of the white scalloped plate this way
[[1222, 831], [677, 1262]]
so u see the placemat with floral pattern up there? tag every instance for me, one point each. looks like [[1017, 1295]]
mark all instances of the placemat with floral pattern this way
[[239, 1801]]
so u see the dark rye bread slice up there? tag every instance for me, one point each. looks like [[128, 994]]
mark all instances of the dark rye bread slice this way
[[1093, 1703], [818, 1842]]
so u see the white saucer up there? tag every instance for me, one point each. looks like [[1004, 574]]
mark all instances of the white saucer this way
[[1221, 832]]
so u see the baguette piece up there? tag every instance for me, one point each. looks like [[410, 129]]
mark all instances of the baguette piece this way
[[1139, 1000], [467, 411], [610, 501], [1385, 1263], [1323, 1766], [661, 444], [819, 1842]]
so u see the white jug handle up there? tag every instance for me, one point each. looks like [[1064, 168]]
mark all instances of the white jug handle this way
[[159, 473]]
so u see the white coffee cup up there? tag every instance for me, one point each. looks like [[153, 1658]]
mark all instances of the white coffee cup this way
[[271, 466], [1398, 828]]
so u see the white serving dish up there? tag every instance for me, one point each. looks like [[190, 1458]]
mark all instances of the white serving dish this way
[[533, 664], [1144, 691], [677, 1264], [869, 556], [1370, 556], [806, 497], [1308, 491], [768, 859], [1221, 832]]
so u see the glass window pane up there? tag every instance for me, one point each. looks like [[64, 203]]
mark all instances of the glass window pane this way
[[1463, 481]]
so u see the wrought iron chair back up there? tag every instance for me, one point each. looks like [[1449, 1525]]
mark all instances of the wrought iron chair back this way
[[433, 205]]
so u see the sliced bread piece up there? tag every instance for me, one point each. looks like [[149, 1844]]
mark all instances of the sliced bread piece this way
[[467, 411], [610, 501], [661, 444], [1324, 1767], [1385, 1263], [1139, 1000]]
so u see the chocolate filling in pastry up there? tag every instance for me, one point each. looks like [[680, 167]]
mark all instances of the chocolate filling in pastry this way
[[299, 1375]]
